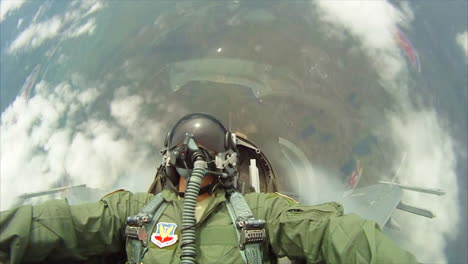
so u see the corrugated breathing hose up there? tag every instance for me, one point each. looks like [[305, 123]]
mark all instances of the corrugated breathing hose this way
[[189, 251]]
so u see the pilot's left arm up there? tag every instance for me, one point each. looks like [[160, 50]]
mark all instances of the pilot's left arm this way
[[324, 233], [55, 231]]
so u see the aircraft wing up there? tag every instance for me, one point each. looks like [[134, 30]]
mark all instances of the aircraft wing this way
[[377, 202], [77, 194], [374, 202]]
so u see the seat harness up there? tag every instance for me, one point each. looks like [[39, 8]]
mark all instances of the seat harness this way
[[138, 226], [250, 231]]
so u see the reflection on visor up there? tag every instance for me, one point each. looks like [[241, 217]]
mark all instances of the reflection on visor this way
[[207, 132]]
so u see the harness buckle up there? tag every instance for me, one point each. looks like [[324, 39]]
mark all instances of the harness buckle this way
[[252, 231], [136, 227], [139, 219]]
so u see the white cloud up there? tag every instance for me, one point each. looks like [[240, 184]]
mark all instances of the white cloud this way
[[408, 13], [430, 163], [87, 28], [126, 110], [62, 59], [419, 133], [90, 158], [36, 34], [8, 6], [355, 15], [65, 26], [46, 122], [372, 22], [76, 12], [34, 145], [41, 11], [462, 41], [302, 177], [63, 135], [57, 148], [91, 6], [88, 96], [20, 22]]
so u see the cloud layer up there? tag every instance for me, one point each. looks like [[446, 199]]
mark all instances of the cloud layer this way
[[68, 25], [462, 41], [372, 22], [8, 6], [419, 133], [63, 136], [431, 163], [36, 34]]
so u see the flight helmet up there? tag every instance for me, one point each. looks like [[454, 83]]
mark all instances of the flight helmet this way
[[215, 142]]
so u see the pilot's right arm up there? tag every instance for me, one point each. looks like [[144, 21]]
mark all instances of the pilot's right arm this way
[[55, 230], [323, 233]]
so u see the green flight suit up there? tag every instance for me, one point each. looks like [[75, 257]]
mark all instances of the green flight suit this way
[[55, 231]]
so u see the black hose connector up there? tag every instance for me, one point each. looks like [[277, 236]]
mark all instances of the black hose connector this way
[[197, 155]]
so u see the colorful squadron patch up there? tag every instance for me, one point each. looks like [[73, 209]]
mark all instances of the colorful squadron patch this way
[[165, 235]]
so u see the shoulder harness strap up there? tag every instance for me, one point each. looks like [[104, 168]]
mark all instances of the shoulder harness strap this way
[[138, 225], [250, 231]]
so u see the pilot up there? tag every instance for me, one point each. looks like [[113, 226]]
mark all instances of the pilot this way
[[195, 212]]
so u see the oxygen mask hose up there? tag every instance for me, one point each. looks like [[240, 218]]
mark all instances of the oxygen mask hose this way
[[189, 251]]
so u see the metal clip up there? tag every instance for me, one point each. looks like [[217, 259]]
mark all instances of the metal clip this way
[[135, 227], [138, 220], [252, 231], [135, 232]]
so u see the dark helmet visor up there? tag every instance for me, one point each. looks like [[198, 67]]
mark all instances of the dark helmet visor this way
[[208, 132]]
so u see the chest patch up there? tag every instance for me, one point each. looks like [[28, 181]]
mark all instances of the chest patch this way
[[165, 235]]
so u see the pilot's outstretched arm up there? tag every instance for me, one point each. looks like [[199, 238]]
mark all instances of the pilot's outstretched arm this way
[[54, 230], [323, 233]]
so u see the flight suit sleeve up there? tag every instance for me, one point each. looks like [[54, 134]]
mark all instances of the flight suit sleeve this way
[[323, 233], [56, 231]]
